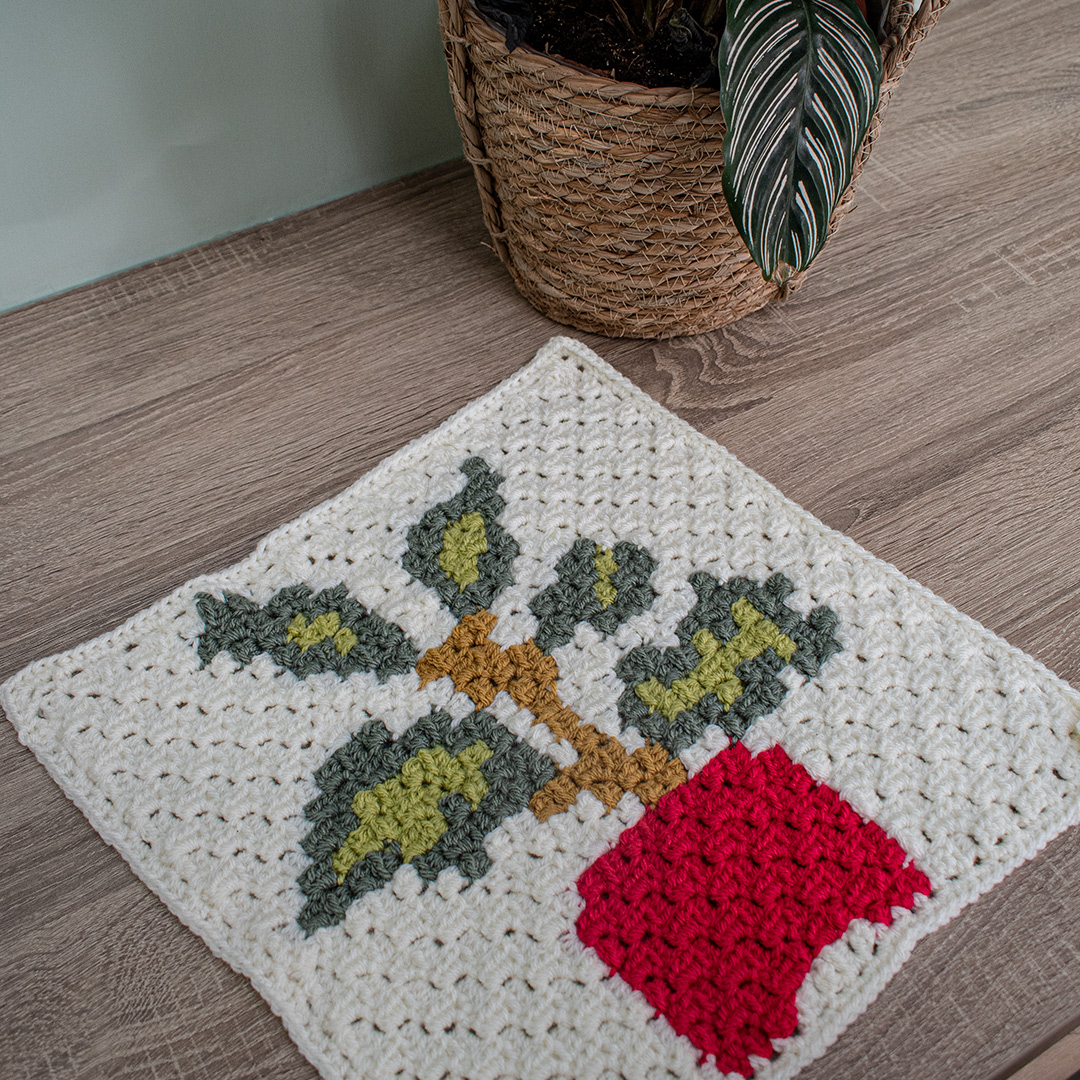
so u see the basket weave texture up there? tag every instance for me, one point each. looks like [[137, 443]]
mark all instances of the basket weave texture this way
[[603, 198]]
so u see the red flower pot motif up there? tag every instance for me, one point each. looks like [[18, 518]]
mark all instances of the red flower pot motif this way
[[715, 904]]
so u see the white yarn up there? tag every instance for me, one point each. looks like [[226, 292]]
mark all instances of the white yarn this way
[[960, 747]]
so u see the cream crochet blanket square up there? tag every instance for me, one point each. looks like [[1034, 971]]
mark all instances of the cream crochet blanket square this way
[[560, 745]]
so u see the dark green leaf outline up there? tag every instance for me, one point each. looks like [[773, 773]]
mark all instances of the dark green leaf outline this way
[[425, 542], [762, 691], [514, 773], [572, 598], [239, 626]]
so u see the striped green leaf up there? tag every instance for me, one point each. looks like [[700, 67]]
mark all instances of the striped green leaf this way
[[799, 86]]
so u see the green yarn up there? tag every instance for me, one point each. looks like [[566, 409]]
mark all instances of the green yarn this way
[[325, 626], [304, 632], [405, 808], [603, 587], [733, 643], [458, 547], [464, 541], [605, 565], [715, 671], [496, 776]]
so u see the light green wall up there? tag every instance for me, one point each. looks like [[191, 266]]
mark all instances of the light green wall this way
[[130, 129]]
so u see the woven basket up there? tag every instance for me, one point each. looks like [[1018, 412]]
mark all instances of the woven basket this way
[[603, 198]]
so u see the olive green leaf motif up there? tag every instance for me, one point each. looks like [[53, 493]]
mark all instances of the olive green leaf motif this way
[[428, 798], [458, 547], [732, 645], [304, 632], [598, 585]]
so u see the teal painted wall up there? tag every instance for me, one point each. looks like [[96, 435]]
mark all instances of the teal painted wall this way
[[130, 129]]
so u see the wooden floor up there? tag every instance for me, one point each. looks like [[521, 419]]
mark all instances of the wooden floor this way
[[922, 393]]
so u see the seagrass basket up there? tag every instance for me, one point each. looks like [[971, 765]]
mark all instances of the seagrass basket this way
[[603, 198]]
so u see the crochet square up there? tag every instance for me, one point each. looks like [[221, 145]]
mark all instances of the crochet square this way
[[559, 745]]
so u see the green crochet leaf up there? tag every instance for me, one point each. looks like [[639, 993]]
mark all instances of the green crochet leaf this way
[[603, 587], [732, 645], [428, 798], [306, 633], [459, 549]]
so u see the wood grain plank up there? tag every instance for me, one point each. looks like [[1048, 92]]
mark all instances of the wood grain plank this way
[[1061, 1061], [921, 392]]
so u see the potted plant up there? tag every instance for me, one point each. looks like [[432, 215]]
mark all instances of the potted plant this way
[[652, 211]]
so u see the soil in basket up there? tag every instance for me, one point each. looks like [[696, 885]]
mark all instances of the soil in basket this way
[[587, 35]]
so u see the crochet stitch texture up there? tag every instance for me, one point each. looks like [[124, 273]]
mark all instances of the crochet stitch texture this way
[[561, 744]]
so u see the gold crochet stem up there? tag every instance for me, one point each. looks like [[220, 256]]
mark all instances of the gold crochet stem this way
[[481, 669]]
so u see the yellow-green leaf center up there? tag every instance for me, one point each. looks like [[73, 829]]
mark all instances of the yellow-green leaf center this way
[[606, 566], [405, 808], [464, 541], [715, 671], [325, 626]]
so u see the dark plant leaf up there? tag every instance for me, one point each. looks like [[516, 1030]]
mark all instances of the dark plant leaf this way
[[876, 13], [642, 18], [799, 85], [511, 17], [686, 35], [695, 43]]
